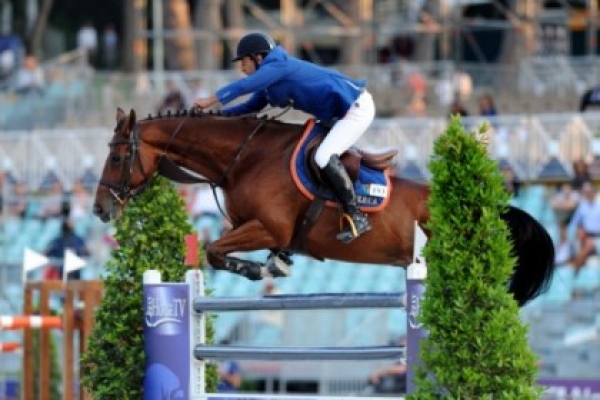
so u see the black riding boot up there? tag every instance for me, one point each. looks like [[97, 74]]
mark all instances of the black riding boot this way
[[344, 190]]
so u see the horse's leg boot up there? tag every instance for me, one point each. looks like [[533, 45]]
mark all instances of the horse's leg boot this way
[[278, 264], [249, 269], [357, 222]]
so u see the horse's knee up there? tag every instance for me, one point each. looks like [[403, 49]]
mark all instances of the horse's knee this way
[[217, 261]]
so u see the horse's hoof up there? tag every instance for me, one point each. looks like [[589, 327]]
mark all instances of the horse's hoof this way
[[277, 268]]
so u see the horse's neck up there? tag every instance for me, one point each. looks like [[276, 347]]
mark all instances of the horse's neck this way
[[211, 146]]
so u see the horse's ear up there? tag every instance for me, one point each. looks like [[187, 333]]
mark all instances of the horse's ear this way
[[132, 119], [120, 114]]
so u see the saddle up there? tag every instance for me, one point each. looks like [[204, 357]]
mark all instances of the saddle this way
[[352, 159]]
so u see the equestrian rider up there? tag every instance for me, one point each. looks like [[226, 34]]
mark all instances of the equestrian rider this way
[[280, 80]]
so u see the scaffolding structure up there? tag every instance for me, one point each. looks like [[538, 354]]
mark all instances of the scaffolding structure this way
[[208, 29]]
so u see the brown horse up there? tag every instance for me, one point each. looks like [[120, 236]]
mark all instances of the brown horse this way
[[249, 158]]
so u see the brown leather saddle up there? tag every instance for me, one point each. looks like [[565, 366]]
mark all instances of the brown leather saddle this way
[[352, 159]]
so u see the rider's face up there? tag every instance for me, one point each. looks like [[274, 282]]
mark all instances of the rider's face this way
[[247, 66]]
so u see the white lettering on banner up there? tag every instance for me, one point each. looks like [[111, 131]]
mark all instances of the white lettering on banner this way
[[377, 190], [413, 312], [574, 392], [159, 311]]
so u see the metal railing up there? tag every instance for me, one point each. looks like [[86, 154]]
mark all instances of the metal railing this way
[[526, 142]]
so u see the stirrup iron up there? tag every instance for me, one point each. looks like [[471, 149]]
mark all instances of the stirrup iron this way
[[353, 231]]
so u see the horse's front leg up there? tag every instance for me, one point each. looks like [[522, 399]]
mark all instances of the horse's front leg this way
[[247, 237]]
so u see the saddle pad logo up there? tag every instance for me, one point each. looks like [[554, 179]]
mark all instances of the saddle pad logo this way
[[372, 187]]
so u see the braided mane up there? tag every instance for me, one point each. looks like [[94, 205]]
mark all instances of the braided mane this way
[[194, 113]]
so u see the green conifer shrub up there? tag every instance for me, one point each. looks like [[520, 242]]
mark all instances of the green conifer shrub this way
[[151, 235], [477, 345]]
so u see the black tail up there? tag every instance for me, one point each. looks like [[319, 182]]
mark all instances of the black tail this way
[[534, 250]]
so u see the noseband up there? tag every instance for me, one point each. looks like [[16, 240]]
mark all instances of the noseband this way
[[122, 191]]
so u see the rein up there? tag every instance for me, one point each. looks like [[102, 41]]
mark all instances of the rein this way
[[238, 154], [122, 191]]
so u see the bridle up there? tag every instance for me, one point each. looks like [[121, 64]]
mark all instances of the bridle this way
[[122, 191]]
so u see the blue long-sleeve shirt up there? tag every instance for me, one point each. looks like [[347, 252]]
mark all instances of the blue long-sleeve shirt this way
[[283, 80]]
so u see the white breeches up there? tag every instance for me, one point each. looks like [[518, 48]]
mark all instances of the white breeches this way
[[347, 130]]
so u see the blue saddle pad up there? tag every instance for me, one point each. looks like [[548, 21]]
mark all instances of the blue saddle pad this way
[[372, 187]]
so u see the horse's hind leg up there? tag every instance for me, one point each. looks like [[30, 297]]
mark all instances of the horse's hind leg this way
[[247, 237], [279, 262]]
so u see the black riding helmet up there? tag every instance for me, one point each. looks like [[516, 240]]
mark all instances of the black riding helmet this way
[[254, 43]]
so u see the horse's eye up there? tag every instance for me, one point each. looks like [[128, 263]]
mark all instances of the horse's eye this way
[[115, 158]]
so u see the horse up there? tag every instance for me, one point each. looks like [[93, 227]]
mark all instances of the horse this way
[[249, 158]]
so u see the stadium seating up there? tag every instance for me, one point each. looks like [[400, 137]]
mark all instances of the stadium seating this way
[[571, 305]]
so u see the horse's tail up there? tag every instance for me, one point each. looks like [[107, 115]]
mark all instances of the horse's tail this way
[[534, 249]]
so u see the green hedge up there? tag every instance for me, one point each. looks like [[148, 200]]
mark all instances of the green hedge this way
[[151, 235], [477, 346]]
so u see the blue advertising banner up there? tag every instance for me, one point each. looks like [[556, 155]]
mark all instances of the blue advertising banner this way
[[560, 388], [415, 290], [167, 337]]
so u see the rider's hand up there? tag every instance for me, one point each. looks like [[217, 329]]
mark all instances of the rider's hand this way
[[205, 102]]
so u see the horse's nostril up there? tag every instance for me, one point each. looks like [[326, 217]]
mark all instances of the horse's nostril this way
[[97, 209]]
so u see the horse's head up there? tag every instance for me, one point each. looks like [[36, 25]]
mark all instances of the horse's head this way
[[126, 171]]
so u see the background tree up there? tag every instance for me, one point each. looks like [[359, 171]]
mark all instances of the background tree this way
[[477, 346], [151, 235]]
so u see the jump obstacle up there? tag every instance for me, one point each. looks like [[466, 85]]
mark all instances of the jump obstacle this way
[[6, 347], [9, 322], [19, 322], [74, 323], [174, 314]]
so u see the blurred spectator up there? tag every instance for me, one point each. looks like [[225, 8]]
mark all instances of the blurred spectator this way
[[30, 78], [272, 318], [487, 107], [81, 203], [173, 100], [445, 92], [511, 182], [564, 203], [67, 239], [454, 88], [590, 97], [110, 47], [390, 379], [11, 55], [417, 83], [18, 203], [586, 220], [463, 86], [56, 204], [87, 40], [457, 108], [205, 207], [3, 189], [417, 106], [581, 174], [230, 374], [199, 91], [565, 251]]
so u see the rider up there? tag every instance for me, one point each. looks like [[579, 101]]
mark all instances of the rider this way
[[278, 79]]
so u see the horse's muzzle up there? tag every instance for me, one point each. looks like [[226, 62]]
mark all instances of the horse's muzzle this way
[[99, 212]]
